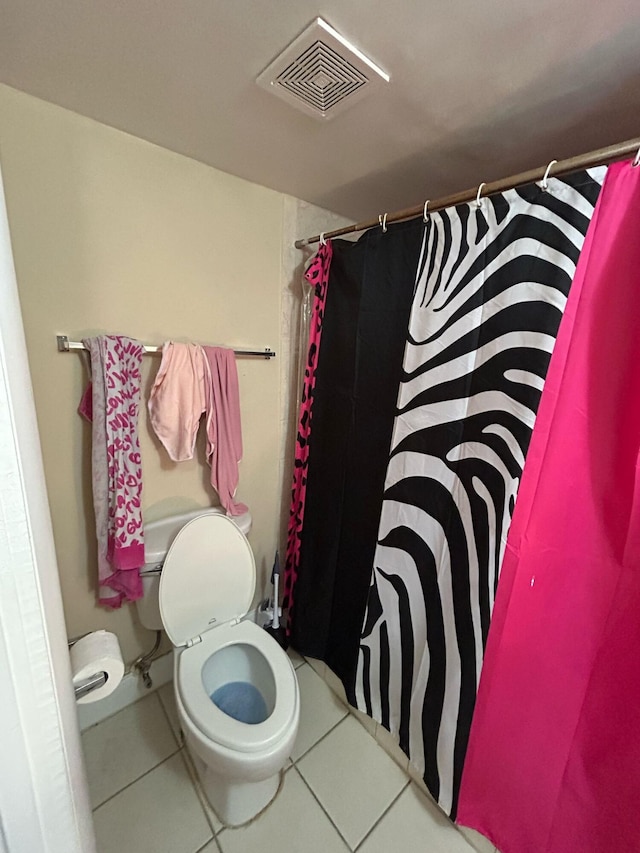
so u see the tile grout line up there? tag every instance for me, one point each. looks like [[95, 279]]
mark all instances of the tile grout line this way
[[350, 709], [320, 739], [207, 843], [329, 818], [180, 749], [185, 761], [350, 712], [205, 805], [137, 779], [381, 816], [463, 836], [379, 745], [189, 766], [469, 843], [192, 774], [178, 739]]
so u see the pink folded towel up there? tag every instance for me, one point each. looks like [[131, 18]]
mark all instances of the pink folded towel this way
[[177, 399], [111, 403]]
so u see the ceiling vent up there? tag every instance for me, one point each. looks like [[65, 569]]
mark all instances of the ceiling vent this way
[[321, 73]]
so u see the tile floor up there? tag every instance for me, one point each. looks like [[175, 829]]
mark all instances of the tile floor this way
[[342, 792]]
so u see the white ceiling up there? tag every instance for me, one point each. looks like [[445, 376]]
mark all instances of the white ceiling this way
[[478, 90]]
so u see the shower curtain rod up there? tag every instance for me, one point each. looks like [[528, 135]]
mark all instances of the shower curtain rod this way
[[65, 345], [599, 157]]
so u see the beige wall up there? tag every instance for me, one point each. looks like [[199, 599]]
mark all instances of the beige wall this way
[[113, 234]]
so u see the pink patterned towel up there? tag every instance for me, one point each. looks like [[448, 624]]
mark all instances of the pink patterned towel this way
[[112, 403]]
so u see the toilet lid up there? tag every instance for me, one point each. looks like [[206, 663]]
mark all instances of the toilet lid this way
[[208, 578]]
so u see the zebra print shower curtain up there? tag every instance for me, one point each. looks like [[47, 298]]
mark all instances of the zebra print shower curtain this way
[[489, 289]]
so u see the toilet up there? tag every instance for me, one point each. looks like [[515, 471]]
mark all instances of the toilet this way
[[235, 688]]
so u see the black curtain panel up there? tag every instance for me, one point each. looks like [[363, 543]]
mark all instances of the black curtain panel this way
[[369, 297]]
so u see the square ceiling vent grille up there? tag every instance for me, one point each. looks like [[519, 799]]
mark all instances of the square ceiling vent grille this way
[[321, 73]]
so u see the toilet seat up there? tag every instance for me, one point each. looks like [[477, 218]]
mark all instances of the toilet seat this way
[[208, 579], [206, 587], [208, 718]]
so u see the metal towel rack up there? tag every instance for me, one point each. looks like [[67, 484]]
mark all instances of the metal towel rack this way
[[65, 345]]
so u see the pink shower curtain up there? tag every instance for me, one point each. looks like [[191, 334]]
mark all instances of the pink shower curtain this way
[[553, 764]]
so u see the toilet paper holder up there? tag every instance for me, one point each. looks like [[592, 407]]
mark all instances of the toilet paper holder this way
[[91, 683]]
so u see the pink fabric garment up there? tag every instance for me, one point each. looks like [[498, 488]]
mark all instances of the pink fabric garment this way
[[553, 763], [224, 431], [177, 399], [116, 465], [317, 275]]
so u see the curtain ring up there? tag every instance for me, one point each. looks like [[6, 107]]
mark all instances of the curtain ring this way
[[323, 242], [478, 201], [636, 160], [425, 211], [544, 184], [382, 222]]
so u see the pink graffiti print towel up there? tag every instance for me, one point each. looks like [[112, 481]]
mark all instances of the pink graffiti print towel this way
[[111, 403], [553, 764]]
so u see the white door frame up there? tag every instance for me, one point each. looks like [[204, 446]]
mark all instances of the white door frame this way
[[44, 802]]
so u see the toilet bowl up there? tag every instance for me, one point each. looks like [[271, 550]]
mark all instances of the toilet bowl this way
[[236, 689]]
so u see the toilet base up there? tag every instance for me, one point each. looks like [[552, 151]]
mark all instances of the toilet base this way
[[235, 803]]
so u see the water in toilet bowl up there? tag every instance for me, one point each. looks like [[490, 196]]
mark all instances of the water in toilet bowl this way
[[242, 701]]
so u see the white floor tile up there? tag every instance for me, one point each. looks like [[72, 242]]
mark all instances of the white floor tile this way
[[320, 710], [414, 825], [212, 817], [340, 766], [160, 813], [296, 659], [416, 776], [477, 840], [211, 847], [353, 778], [335, 684], [123, 747], [365, 720], [294, 823], [167, 698], [390, 744], [317, 665]]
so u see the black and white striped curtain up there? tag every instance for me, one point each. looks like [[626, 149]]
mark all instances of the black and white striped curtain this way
[[488, 290]]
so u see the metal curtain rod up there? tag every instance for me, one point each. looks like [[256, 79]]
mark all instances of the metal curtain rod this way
[[599, 157], [65, 345]]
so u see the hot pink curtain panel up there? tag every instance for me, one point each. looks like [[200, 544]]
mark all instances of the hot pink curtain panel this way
[[553, 764]]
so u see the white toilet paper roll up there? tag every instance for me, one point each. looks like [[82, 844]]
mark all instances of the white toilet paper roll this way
[[95, 653]]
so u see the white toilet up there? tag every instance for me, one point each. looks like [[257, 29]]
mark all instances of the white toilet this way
[[236, 689]]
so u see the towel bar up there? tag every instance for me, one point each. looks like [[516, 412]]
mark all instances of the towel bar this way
[[65, 345]]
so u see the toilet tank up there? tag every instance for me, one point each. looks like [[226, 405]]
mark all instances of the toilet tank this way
[[158, 536]]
